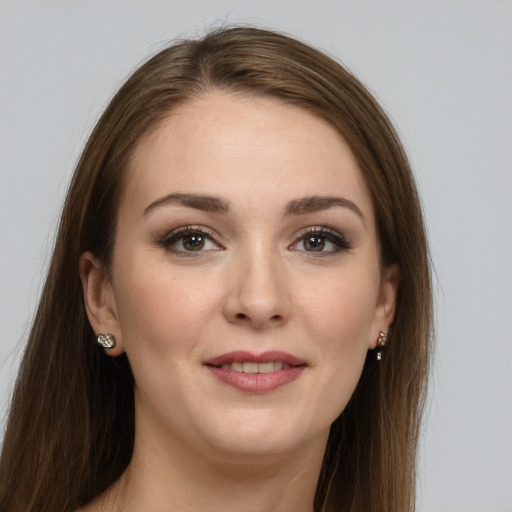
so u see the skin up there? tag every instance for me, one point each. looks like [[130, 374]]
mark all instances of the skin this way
[[256, 284]]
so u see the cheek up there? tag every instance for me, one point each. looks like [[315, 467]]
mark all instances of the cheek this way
[[341, 310], [162, 309], [340, 320], [163, 317]]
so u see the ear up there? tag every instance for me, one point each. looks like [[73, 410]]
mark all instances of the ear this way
[[99, 300], [386, 303]]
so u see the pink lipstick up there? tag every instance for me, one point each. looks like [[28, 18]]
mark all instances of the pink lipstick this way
[[256, 373]]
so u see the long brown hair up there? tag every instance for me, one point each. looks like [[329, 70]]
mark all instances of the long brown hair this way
[[70, 431]]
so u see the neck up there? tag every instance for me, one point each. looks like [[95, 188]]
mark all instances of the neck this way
[[164, 477]]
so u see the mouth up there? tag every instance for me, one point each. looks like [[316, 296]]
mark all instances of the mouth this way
[[256, 373], [252, 367], [249, 362]]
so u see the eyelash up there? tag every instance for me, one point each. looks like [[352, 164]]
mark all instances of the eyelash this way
[[323, 232], [340, 241], [178, 234]]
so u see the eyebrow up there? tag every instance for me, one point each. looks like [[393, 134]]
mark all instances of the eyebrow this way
[[196, 201], [312, 204], [304, 205]]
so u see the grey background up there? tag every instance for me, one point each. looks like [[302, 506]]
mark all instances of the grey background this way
[[442, 70]]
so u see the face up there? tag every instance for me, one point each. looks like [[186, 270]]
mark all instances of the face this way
[[246, 285]]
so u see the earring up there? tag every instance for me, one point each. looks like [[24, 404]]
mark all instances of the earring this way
[[106, 340], [381, 342]]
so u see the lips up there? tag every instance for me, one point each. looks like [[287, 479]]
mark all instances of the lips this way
[[256, 373], [250, 357]]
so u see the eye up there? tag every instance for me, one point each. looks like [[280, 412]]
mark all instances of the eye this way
[[188, 240], [320, 240]]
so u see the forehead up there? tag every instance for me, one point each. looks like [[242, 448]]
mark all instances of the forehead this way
[[247, 148]]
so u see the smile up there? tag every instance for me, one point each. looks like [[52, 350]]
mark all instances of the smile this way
[[256, 373], [252, 367]]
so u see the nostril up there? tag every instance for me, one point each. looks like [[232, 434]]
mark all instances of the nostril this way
[[243, 316]]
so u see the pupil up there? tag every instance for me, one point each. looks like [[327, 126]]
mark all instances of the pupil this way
[[193, 242], [315, 243]]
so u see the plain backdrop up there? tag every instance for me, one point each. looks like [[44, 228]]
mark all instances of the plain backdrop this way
[[443, 72]]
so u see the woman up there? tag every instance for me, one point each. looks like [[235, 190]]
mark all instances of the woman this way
[[241, 233]]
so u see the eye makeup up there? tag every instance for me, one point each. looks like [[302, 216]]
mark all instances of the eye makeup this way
[[320, 241], [194, 240], [190, 241]]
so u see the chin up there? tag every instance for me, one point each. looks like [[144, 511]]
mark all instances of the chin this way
[[254, 436]]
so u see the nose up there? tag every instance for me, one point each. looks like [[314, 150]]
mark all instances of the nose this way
[[258, 292]]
